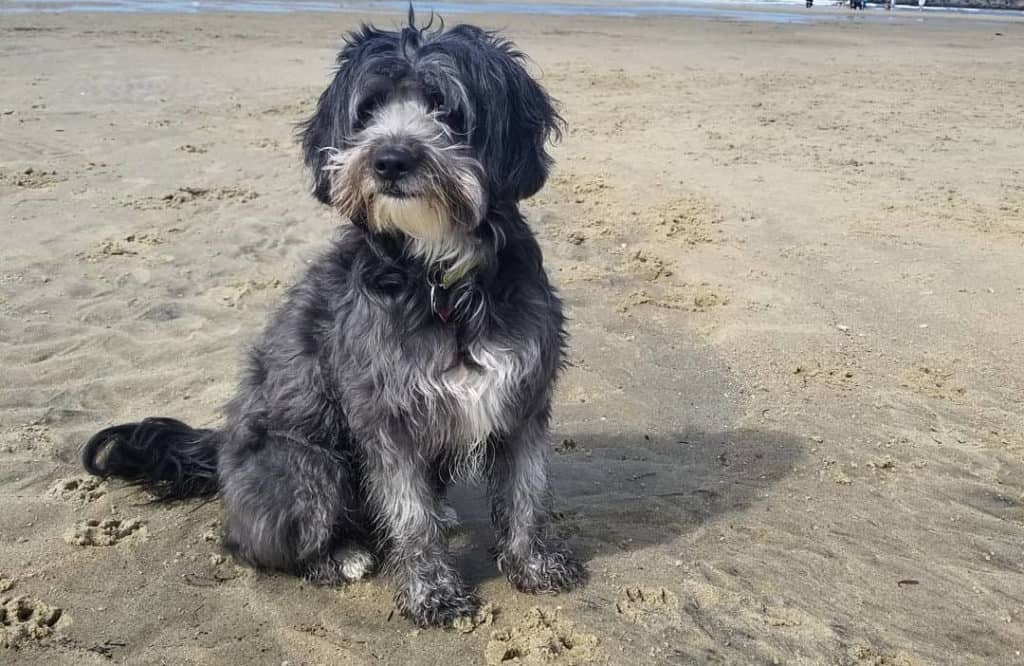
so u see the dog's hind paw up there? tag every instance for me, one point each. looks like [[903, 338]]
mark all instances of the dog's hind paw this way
[[345, 565], [356, 562]]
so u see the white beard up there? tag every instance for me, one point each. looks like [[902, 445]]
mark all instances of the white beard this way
[[432, 236], [416, 217]]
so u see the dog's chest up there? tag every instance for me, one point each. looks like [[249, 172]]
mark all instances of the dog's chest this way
[[476, 389]]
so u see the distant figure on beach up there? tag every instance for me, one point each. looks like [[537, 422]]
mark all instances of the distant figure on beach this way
[[920, 5], [810, 3], [890, 4]]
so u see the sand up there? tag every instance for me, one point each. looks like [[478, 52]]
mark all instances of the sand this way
[[792, 431]]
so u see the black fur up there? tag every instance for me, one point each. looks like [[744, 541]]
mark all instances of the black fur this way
[[169, 458]]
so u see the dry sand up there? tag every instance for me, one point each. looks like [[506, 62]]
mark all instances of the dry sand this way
[[792, 429]]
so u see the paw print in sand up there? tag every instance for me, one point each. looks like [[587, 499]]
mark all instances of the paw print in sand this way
[[81, 489], [26, 619], [102, 532]]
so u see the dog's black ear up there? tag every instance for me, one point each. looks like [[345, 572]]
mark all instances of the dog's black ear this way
[[318, 137], [327, 128], [514, 118], [532, 121]]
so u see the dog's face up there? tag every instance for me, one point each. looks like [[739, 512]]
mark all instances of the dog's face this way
[[422, 130]]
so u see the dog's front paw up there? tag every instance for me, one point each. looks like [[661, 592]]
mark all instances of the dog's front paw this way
[[437, 607], [555, 571]]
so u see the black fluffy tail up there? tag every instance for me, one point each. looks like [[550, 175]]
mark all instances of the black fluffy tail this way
[[164, 456]]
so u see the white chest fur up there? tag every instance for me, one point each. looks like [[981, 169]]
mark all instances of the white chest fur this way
[[475, 393], [481, 388]]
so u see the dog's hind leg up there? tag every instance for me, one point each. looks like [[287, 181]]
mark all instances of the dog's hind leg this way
[[533, 559], [290, 506]]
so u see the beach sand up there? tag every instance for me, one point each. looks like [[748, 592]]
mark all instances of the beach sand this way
[[792, 431]]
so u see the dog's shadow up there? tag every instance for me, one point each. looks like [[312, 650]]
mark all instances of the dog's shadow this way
[[616, 493]]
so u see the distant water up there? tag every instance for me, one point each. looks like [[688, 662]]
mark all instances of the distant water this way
[[781, 11]]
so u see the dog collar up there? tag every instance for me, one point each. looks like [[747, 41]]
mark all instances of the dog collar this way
[[454, 274], [440, 299]]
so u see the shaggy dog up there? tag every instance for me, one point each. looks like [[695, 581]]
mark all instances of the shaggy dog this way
[[421, 348]]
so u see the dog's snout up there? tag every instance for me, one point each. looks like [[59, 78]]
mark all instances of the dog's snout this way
[[393, 162]]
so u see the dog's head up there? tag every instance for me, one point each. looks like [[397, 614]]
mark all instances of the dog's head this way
[[421, 130]]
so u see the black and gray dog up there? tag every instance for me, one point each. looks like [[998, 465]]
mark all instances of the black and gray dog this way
[[421, 348]]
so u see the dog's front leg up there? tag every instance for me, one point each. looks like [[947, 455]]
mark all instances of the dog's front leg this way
[[533, 559], [411, 517]]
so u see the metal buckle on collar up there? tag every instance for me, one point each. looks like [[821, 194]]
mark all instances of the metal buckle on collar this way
[[444, 313]]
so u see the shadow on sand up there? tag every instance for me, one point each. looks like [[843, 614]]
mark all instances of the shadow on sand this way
[[617, 493]]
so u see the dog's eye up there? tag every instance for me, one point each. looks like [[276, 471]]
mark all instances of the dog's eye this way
[[435, 99], [366, 108], [439, 106], [454, 119], [450, 114]]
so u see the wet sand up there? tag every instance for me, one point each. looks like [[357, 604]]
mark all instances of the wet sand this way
[[792, 427]]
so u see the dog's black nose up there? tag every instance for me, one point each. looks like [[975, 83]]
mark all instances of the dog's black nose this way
[[393, 163]]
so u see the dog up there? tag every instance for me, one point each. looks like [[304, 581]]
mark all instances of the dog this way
[[421, 348]]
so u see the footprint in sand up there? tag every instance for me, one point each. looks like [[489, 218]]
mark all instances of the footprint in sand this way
[[103, 532], [79, 489], [543, 637], [26, 619], [648, 605]]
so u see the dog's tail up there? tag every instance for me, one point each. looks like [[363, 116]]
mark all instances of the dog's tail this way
[[166, 457]]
